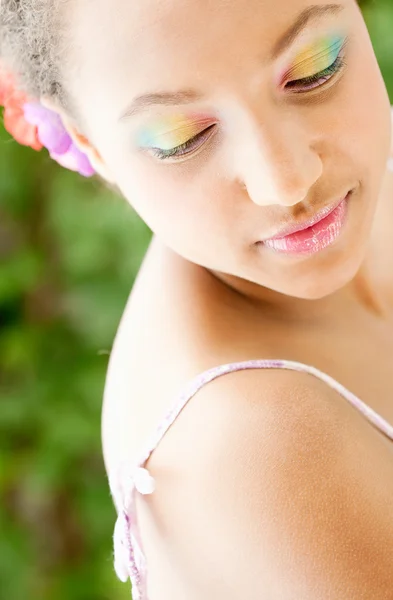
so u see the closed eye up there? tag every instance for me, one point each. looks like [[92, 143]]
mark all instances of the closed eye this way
[[305, 84], [319, 78], [186, 148]]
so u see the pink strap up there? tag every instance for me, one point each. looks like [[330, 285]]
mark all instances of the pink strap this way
[[129, 557]]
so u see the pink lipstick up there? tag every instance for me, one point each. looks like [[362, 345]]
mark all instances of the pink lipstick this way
[[309, 239]]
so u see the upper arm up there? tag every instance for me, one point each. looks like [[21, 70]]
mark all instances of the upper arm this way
[[282, 491]]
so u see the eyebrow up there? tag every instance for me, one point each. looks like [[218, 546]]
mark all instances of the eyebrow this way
[[310, 14]]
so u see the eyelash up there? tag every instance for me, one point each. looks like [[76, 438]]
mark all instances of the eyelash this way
[[333, 69], [178, 151], [324, 75]]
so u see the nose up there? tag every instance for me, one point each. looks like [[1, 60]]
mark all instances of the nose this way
[[278, 164]]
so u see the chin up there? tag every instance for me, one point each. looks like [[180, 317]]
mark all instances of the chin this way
[[318, 284], [318, 275]]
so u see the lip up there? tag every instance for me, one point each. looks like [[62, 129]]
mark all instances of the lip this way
[[322, 214]]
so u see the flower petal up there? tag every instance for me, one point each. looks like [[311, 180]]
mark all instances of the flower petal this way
[[74, 160], [51, 130], [34, 125], [21, 131]]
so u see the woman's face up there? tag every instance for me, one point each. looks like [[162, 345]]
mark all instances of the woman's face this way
[[257, 148]]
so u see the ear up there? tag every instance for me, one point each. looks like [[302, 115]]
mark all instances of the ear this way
[[80, 140]]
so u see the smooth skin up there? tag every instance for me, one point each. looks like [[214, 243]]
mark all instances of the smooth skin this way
[[269, 484]]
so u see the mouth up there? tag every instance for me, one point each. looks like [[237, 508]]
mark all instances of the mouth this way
[[319, 216], [312, 235]]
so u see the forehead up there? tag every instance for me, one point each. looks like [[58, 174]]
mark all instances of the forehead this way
[[125, 48]]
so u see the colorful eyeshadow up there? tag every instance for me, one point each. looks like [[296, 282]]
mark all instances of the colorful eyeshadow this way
[[171, 131], [315, 57]]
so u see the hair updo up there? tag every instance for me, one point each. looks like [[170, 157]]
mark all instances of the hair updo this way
[[32, 43]]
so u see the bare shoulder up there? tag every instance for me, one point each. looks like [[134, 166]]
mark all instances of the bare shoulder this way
[[268, 484], [274, 486], [164, 339]]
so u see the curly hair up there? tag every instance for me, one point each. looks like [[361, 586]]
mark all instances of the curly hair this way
[[32, 42]]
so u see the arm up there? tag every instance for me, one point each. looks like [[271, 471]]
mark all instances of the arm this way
[[285, 494]]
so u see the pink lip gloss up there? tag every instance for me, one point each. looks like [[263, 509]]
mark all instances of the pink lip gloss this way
[[314, 238]]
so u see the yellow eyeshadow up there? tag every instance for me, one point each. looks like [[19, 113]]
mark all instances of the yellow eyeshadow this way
[[315, 57], [171, 131]]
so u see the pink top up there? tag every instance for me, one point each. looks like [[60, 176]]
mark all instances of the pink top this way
[[129, 559]]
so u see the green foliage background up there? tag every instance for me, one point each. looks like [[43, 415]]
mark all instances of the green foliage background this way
[[69, 253]]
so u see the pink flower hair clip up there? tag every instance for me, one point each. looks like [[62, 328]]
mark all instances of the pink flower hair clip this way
[[32, 124], [54, 137]]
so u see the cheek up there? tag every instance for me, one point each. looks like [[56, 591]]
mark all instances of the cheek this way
[[184, 206], [154, 197], [366, 110], [182, 198], [167, 203]]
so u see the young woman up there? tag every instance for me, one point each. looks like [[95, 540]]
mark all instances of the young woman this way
[[247, 422]]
